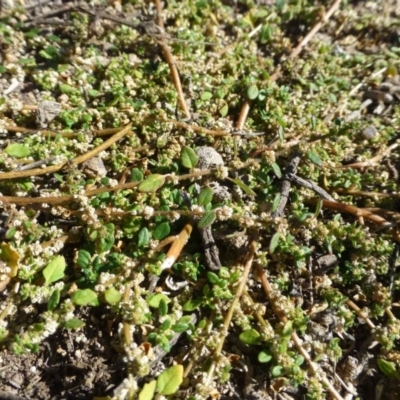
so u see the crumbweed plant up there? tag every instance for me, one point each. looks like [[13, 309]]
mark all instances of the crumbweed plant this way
[[220, 178]]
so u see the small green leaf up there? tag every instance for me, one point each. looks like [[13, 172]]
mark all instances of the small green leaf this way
[[107, 242], [252, 92], [54, 300], [274, 242], [85, 297], [276, 371], [17, 150], [299, 360], [318, 208], [212, 278], [180, 327], [243, 186], [144, 237], [11, 232], [154, 299], [277, 170], [192, 305], [151, 183], [287, 329], [93, 92], [112, 296], [54, 270], [251, 337], [147, 393], [169, 381], [161, 231], [45, 55], [206, 96], [66, 89], [136, 175], [207, 220], [205, 196], [74, 323], [84, 258], [277, 200], [166, 324], [163, 307], [223, 111], [387, 367], [314, 158], [189, 158], [264, 356]]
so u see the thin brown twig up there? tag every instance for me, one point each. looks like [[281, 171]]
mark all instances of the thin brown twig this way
[[373, 160], [359, 213], [362, 193], [57, 200], [360, 313], [196, 128], [244, 112], [171, 62], [235, 302], [296, 340], [47, 133], [77, 160]]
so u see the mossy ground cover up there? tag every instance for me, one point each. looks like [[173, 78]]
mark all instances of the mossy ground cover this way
[[199, 199]]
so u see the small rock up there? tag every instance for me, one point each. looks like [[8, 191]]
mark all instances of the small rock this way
[[221, 193], [94, 168], [46, 112], [369, 132], [208, 157]]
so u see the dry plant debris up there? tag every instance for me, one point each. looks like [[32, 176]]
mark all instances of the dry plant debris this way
[[199, 199]]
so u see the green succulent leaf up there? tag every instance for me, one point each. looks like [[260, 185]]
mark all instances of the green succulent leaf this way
[[54, 300], [274, 242], [206, 96], [250, 337], [252, 92], [161, 231], [276, 202], [388, 368], [147, 393], [154, 299], [207, 220], [54, 270], [277, 370], [192, 305], [67, 89], [264, 356], [85, 297], [17, 150], [84, 259], [152, 183], [112, 296], [287, 329], [144, 237], [169, 381], [74, 323], [205, 196], [136, 175], [314, 158], [189, 158], [277, 170], [243, 186]]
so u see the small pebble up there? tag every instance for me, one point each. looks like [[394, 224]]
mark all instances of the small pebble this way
[[369, 132], [47, 111], [208, 157]]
